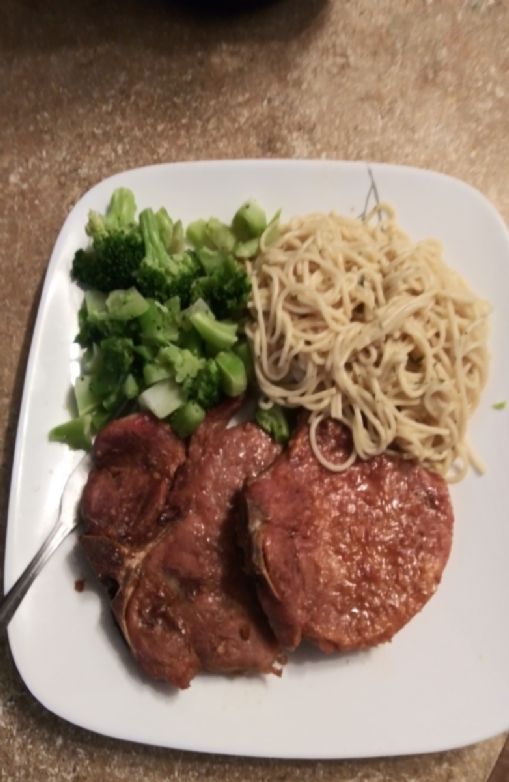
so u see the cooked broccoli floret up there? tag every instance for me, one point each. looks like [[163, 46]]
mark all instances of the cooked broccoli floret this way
[[217, 334], [205, 388], [95, 324], [161, 275], [186, 419], [183, 363], [119, 216], [117, 246], [111, 261], [233, 373], [274, 422], [225, 289], [113, 364]]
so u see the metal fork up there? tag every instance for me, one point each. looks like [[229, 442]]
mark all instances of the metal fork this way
[[67, 521]]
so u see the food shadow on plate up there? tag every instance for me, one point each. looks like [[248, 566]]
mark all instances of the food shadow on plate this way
[[83, 579]]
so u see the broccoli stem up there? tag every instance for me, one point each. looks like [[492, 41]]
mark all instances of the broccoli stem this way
[[219, 335], [249, 221], [273, 421], [186, 419], [75, 433], [233, 373], [126, 304]]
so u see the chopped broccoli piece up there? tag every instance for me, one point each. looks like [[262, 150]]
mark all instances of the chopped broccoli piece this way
[[191, 340], [217, 334], [249, 221], [178, 239], [218, 235], [117, 246], [247, 249], [161, 275], [115, 358], [126, 304], [270, 234], [196, 233], [186, 419], [205, 388], [76, 433], [183, 363], [110, 263], [165, 227], [119, 216], [86, 400], [158, 324], [154, 372], [226, 288], [95, 324], [130, 387], [162, 398], [233, 373], [243, 351], [273, 421]]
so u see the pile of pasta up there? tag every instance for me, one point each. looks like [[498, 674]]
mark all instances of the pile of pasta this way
[[352, 319]]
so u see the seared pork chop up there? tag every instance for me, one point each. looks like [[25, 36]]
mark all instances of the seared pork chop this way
[[345, 559]]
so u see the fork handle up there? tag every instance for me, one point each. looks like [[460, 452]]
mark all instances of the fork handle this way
[[11, 600]]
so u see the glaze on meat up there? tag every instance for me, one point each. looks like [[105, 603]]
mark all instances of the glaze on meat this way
[[194, 608], [182, 598], [345, 559]]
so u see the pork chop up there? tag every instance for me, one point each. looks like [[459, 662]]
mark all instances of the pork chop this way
[[194, 608], [180, 594], [345, 559]]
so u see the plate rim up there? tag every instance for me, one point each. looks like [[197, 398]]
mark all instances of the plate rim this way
[[30, 367]]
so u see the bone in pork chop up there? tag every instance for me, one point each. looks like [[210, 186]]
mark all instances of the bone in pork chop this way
[[184, 602], [345, 559]]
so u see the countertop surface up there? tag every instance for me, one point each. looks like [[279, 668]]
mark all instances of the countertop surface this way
[[90, 88]]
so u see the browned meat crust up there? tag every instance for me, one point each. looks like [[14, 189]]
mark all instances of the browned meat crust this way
[[184, 602], [194, 607], [346, 559]]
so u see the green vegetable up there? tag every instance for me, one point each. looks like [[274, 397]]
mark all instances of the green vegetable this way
[[274, 422], [126, 304], [86, 400], [186, 419], [249, 221], [205, 388], [117, 247], [191, 340], [243, 351], [130, 387], [110, 263], [247, 249], [153, 373], [114, 361], [162, 275], [196, 233], [499, 405], [158, 324], [270, 234], [226, 288], [163, 398], [219, 335], [76, 433], [218, 235], [119, 216], [183, 363], [233, 373]]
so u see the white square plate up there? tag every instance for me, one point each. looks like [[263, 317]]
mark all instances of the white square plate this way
[[443, 681]]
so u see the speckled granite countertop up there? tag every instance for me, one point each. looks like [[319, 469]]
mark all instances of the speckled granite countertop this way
[[89, 88]]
